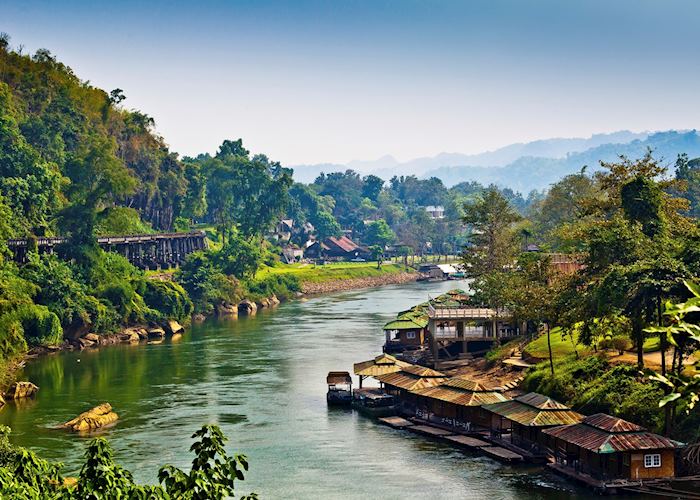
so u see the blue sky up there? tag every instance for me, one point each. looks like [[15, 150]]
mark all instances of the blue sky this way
[[332, 81]]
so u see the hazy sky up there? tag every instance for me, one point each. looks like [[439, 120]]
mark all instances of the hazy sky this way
[[332, 81]]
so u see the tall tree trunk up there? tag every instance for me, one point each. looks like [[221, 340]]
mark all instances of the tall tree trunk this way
[[662, 336], [549, 347], [638, 332]]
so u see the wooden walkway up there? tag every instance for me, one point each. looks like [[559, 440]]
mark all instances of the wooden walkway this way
[[502, 454], [467, 442], [454, 437], [396, 422]]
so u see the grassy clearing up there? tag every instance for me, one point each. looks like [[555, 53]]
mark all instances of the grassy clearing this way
[[561, 346], [312, 273]]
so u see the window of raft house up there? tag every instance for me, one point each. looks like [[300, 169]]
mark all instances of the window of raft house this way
[[652, 460], [410, 335]]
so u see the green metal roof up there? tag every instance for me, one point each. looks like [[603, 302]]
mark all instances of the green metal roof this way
[[406, 324]]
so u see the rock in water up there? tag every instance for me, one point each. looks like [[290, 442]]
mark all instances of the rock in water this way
[[97, 417], [156, 332], [225, 309], [173, 327], [247, 307], [92, 337], [20, 390]]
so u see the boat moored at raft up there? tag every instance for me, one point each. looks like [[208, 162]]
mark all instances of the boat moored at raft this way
[[339, 389]]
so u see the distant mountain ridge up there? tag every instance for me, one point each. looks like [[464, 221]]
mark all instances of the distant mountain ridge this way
[[387, 166], [528, 173], [524, 166]]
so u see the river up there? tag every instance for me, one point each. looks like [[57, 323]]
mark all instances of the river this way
[[262, 379]]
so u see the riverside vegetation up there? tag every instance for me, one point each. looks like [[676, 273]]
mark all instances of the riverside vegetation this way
[[633, 229]]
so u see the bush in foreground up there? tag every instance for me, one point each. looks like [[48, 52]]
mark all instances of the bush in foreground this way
[[23, 475]]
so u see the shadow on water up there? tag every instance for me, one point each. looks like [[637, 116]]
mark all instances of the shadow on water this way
[[262, 379]]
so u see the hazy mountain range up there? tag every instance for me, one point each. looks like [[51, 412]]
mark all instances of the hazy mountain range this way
[[524, 166]]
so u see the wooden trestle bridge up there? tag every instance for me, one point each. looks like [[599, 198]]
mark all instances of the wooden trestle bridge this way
[[147, 251]]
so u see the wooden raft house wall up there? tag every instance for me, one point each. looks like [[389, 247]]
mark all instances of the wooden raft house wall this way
[[524, 417], [455, 402], [607, 448]]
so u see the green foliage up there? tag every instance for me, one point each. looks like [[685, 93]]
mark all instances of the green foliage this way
[[40, 326], [284, 286], [168, 298], [491, 247], [592, 385], [213, 474], [206, 284], [240, 257], [60, 290], [641, 202], [117, 221], [379, 233]]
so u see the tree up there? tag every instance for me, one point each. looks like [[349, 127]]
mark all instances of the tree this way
[[371, 187], [377, 254], [244, 194], [491, 241], [688, 173], [379, 233]]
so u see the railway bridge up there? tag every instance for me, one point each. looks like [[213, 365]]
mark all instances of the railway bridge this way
[[146, 251]]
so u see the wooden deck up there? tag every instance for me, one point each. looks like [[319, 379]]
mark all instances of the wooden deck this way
[[502, 455], [467, 442], [396, 422], [429, 430]]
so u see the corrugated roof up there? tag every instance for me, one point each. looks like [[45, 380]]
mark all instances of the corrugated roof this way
[[531, 416], [344, 243], [381, 365], [609, 423], [458, 396], [422, 371], [403, 324], [465, 384], [338, 378], [541, 402], [409, 381], [599, 441]]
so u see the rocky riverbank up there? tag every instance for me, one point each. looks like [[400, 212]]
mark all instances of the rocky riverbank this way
[[313, 288]]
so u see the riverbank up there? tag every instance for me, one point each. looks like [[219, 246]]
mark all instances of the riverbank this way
[[339, 285], [321, 279]]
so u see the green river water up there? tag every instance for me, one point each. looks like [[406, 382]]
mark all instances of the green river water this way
[[262, 379]]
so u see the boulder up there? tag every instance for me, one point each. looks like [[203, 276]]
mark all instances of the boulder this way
[[130, 335], [198, 318], [2, 401], [226, 309], [247, 307], [274, 301], [97, 417], [173, 327], [156, 332], [85, 342], [92, 337], [263, 303], [20, 390], [143, 333]]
